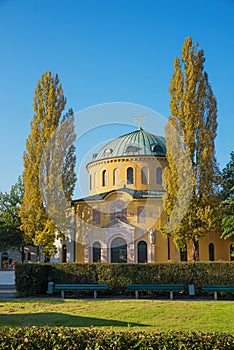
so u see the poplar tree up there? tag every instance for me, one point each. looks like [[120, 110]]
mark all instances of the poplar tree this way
[[193, 119], [49, 103], [57, 177]]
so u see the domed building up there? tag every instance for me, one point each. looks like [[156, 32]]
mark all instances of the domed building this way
[[119, 222]]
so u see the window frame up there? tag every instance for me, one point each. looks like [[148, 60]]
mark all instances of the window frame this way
[[98, 248], [159, 175], [211, 251], [130, 177], [104, 178], [142, 242]]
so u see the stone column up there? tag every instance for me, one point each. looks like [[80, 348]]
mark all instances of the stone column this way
[[151, 247], [104, 257], [130, 253], [130, 246]]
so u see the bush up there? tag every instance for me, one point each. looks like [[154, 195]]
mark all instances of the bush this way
[[46, 338], [32, 279]]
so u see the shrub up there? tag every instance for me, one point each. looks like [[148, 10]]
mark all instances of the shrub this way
[[32, 279], [48, 338]]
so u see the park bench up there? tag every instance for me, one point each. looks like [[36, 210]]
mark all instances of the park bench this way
[[80, 288], [155, 288], [217, 288]]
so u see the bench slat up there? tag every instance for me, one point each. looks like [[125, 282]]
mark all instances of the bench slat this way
[[80, 288], [217, 288], [155, 288]]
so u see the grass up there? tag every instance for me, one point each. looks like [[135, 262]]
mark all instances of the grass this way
[[138, 315]]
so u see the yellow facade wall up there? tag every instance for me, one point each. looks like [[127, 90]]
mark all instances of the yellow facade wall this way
[[122, 164], [120, 192]]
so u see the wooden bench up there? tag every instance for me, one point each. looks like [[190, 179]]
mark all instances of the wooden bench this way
[[155, 288], [80, 288], [217, 288]]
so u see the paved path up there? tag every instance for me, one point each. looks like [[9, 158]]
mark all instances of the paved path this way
[[7, 291]]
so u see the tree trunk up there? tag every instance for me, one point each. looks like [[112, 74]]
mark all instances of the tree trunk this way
[[22, 254], [195, 244]]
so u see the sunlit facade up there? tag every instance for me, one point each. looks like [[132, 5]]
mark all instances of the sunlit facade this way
[[119, 222]]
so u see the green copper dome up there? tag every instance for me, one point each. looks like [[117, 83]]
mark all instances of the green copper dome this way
[[136, 143]]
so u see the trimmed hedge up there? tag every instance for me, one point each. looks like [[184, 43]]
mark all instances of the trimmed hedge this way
[[32, 279], [48, 338]]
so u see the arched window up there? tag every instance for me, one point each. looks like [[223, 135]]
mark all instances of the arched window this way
[[142, 252], [130, 176], [156, 148], [90, 182], [231, 252], [118, 210], [119, 250], [141, 214], [64, 253], [96, 252], [104, 178], [95, 180], [159, 176], [115, 176], [145, 176], [211, 252]]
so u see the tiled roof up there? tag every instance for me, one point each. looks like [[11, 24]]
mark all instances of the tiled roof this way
[[136, 194], [136, 143]]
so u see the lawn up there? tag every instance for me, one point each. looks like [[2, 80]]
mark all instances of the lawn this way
[[148, 315]]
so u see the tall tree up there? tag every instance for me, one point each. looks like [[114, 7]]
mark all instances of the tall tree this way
[[194, 113], [227, 179], [49, 103], [227, 193], [57, 177], [11, 237]]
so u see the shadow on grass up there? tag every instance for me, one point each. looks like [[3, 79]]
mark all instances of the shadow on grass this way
[[61, 320]]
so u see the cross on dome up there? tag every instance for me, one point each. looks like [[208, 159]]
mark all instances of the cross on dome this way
[[139, 119]]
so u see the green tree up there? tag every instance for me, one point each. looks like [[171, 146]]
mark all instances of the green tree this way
[[67, 134], [11, 236], [192, 127], [49, 103], [227, 195], [227, 179]]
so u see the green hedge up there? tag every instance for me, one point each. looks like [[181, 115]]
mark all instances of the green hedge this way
[[32, 279], [45, 338]]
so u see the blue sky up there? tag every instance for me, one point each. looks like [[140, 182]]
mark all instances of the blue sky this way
[[107, 51]]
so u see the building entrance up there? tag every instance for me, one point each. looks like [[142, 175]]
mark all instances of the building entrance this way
[[119, 250]]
